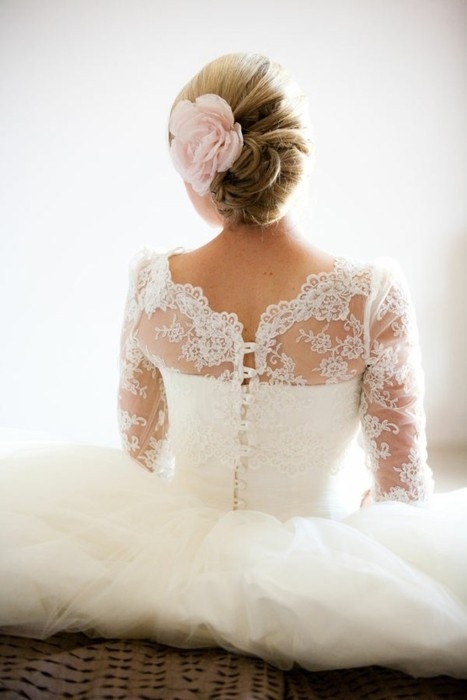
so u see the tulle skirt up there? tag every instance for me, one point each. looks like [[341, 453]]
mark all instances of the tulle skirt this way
[[90, 541]]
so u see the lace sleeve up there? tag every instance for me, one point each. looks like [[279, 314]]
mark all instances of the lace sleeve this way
[[392, 415], [142, 407]]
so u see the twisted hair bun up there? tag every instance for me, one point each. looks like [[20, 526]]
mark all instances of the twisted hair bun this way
[[276, 145]]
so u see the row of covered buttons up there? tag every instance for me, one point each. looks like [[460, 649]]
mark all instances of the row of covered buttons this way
[[244, 425]]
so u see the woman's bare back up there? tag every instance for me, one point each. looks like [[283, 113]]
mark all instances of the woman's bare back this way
[[246, 271]]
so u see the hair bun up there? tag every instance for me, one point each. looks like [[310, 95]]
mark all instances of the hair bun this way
[[242, 190], [268, 105]]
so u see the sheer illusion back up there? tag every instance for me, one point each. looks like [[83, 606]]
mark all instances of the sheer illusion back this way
[[340, 354]]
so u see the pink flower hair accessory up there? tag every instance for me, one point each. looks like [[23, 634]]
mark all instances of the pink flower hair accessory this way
[[206, 139]]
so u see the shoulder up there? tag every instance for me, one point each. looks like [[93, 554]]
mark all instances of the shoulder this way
[[389, 283], [148, 273], [388, 270], [356, 274], [375, 276], [144, 260], [150, 265]]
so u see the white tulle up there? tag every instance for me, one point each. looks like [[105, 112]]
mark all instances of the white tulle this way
[[245, 530]]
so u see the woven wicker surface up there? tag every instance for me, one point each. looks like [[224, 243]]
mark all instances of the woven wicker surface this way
[[74, 666]]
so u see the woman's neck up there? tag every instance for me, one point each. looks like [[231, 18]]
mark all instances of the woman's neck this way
[[283, 231]]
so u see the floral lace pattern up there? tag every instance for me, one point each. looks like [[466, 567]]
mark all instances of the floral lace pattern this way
[[353, 323], [206, 340], [335, 366], [324, 297]]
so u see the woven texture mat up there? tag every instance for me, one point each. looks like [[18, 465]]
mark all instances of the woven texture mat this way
[[75, 666]]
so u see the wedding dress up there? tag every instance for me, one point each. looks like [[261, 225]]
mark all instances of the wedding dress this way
[[245, 529]]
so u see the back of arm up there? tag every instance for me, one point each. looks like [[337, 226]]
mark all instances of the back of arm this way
[[392, 415], [142, 407]]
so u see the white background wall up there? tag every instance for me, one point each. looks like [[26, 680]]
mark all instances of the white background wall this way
[[85, 90]]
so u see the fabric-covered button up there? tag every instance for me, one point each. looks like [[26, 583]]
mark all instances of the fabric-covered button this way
[[249, 347], [248, 372]]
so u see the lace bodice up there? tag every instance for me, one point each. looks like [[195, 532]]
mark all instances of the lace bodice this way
[[341, 355]]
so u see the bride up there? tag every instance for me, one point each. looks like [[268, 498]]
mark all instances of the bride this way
[[258, 375]]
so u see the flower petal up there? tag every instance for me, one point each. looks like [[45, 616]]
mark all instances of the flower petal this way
[[206, 139]]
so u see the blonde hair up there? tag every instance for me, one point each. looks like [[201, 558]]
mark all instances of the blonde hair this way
[[276, 142]]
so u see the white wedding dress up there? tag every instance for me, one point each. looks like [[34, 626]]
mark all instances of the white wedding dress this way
[[245, 529]]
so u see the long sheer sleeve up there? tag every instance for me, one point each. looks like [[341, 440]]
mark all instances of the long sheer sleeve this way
[[392, 415], [142, 407]]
